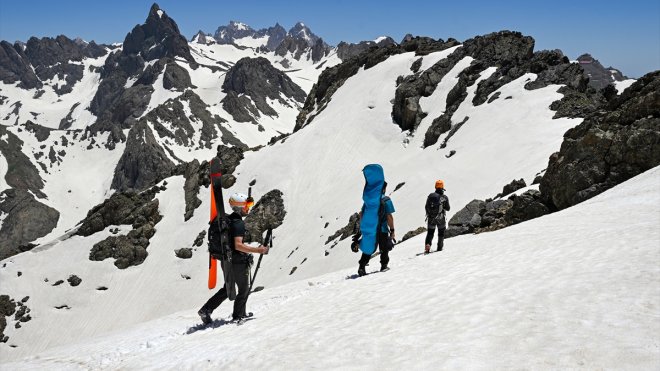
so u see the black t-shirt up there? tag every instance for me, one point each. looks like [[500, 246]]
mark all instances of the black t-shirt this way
[[236, 229]]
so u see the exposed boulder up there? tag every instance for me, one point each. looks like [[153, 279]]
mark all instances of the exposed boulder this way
[[126, 251], [185, 253], [609, 147], [122, 208], [74, 280], [267, 213]]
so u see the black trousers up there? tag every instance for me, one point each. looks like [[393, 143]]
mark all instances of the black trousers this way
[[242, 280], [384, 245], [441, 235]]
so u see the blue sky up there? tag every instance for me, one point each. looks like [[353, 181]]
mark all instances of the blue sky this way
[[625, 35]]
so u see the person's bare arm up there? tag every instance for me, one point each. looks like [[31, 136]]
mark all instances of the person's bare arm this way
[[390, 223], [240, 246]]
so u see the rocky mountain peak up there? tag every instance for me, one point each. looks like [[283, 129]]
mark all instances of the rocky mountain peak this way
[[302, 32], [158, 37]]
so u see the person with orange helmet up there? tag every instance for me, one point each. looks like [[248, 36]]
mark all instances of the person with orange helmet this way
[[437, 204], [241, 260]]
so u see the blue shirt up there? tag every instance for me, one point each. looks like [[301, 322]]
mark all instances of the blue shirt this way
[[389, 209]]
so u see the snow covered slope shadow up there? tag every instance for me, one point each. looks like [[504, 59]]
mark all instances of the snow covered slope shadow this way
[[577, 289], [318, 169]]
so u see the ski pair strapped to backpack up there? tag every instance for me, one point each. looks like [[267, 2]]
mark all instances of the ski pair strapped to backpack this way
[[218, 234], [374, 178]]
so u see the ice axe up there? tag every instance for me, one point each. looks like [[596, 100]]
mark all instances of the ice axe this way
[[268, 241]]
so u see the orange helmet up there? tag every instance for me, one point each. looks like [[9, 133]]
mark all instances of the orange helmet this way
[[439, 184]]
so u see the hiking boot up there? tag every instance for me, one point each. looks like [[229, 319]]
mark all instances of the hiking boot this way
[[439, 248], [383, 268], [205, 315], [427, 248], [362, 272]]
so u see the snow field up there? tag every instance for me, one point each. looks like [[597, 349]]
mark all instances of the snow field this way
[[563, 291]]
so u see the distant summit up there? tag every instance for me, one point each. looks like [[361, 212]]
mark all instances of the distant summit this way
[[599, 76], [241, 34]]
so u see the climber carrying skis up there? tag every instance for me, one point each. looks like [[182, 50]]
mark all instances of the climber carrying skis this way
[[437, 204], [241, 261]]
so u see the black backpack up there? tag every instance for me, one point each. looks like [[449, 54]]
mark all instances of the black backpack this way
[[219, 237], [434, 206]]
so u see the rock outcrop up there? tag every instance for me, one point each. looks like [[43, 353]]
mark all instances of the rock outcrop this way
[[334, 77], [267, 213], [610, 146], [143, 163], [481, 216]]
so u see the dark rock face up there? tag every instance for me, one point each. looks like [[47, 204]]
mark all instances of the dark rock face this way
[[180, 127], [42, 59], [599, 76], [191, 188], [302, 32], [481, 216], [348, 50], [334, 77], [257, 79], [15, 66], [513, 54], [157, 38], [267, 213], [176, 77], [141, 211], [9, 307], [27, 220], [21, 173], [346, 231], [234, 30], [143, 161], [610, 146], [299, 47], [122, 208], [512, 187]]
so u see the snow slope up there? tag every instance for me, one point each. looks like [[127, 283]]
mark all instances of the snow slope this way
[[577, 289], [318, 169]]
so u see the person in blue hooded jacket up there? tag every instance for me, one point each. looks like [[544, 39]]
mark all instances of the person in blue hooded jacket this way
[[385, 236]]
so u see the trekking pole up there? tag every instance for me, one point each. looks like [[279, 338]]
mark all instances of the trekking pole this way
[[268, 242]]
